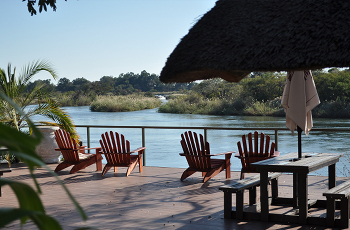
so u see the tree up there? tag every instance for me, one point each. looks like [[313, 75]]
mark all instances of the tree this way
[[42, 4], [15, 88], [64, 85]]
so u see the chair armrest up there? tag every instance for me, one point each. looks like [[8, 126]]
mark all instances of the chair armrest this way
[[210, 155], [275, 154], [218, 154], [138, 150], [91, 148]]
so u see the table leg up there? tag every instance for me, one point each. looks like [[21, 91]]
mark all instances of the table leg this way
[[295, 190], [303, 197], [264, 196], [331, 176]]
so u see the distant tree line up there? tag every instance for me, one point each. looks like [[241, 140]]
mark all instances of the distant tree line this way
[[125, 84]]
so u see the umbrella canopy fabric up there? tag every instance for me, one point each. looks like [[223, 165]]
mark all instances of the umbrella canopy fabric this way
[[237, 37], [299, 98]]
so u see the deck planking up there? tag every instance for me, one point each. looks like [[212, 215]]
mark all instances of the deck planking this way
[[154, 199]]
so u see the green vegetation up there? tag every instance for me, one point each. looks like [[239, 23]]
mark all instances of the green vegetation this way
[[16, 88], [30, 205], [260, 95], [124, 103], [82, 92]]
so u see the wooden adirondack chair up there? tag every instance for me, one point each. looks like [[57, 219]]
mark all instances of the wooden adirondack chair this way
[[74, 154], [258, 153], [197, 153], [118, 154]]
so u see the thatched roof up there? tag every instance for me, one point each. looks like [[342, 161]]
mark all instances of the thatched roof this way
[[237, 37]]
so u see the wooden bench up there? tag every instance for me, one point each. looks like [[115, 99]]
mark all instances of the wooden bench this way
[[341, 192], [239, 187]]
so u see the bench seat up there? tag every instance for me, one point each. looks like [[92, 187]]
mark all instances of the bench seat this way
[[238, 187], [341, 192]]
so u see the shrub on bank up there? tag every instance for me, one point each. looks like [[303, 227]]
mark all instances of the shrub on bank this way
[[123, 103]]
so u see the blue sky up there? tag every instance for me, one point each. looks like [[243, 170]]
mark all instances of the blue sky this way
[[96, 38]]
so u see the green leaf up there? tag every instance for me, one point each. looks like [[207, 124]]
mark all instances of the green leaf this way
[[42, 221], [28, 199]]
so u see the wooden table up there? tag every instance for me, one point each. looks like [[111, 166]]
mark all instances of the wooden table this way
[[300, 169]]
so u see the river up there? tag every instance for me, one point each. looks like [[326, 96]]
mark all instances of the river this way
[[163, 145]]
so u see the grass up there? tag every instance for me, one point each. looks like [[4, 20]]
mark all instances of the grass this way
[[123, 103], [196, 104]]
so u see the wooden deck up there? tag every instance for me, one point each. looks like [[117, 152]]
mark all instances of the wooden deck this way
[[154, 199]]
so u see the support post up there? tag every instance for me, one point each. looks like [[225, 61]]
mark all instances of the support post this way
[[144, 145]]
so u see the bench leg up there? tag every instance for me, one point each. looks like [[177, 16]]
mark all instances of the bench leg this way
[[227, 205], [239, 204], [344, 212], [264, 194], [252, 195], [330, 212], [274, 187]]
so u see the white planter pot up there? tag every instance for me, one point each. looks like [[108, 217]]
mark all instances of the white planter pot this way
[[46, 149]]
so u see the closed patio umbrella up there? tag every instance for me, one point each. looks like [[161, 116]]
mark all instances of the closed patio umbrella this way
[[299, 98]]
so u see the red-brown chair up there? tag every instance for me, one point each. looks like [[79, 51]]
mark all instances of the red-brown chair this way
[[197, 153], [117, 152], [74, 154], [261, 151]]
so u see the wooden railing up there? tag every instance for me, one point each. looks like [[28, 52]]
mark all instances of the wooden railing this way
[[205, 129]]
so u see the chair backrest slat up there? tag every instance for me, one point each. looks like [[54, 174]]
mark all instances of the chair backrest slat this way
[[115, 148], [256, 144], [249, 156], [245, 149], [195, 147], [267, 145], [250, 142], [67, 145], [262, 137]]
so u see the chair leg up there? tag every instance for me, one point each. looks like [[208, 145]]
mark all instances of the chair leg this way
[[62, 166], [213, 173], [83, 164], [105, 169], [98, 160], [140, 163], [186, 174], [131, 168], [242, 176], [228, 171]]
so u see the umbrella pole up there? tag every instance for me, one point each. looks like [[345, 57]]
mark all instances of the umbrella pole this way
[[299, 141]]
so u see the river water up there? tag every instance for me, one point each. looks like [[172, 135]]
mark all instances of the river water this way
[[163, 145]]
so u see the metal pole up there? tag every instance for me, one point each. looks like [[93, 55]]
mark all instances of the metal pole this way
[[88, 137], [143, 145], [299, 141], [205, 135], [276, 139]]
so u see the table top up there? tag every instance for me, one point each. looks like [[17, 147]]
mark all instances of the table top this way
[[290, 163]]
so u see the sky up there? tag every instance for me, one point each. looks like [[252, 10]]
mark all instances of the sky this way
[[96, 38]]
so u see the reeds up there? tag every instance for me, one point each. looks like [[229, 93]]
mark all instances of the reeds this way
[[123, 103]]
